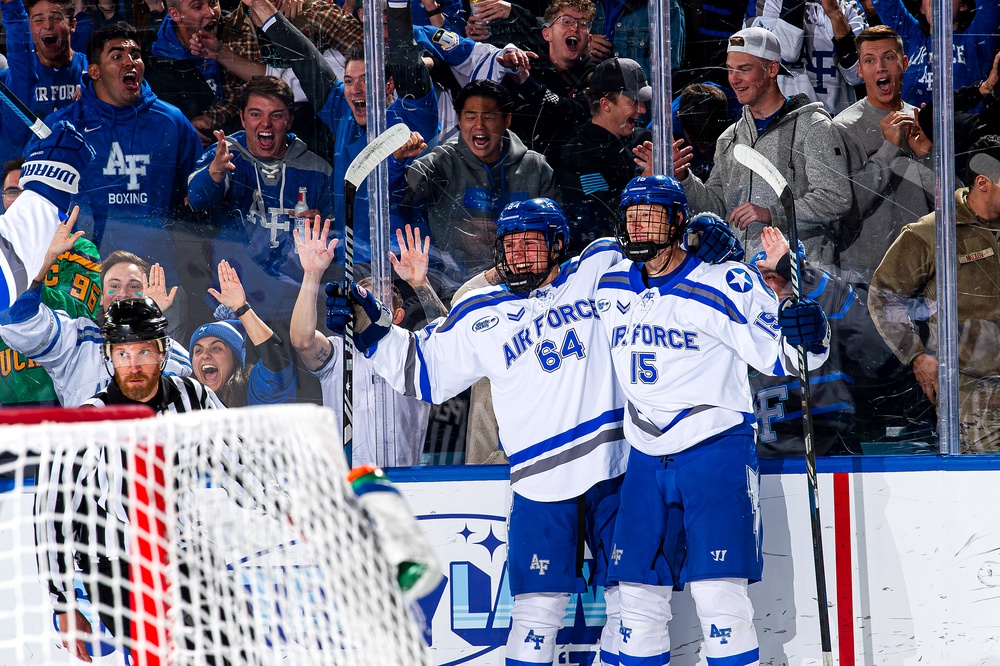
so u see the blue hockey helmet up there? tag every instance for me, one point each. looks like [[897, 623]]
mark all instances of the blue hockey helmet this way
[[542, 215], [665, 191]]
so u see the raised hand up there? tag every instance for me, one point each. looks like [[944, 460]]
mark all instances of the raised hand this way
[[232, 294], [64, 238], [222, 164], [315, 253], [411, 265], [775, 247], [155, 286], [413, 147]]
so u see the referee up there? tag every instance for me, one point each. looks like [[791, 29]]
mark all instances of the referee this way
[[136, 347]]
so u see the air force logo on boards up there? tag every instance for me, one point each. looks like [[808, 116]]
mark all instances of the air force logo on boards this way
[[739, 280], [485, 324], [603, 305]]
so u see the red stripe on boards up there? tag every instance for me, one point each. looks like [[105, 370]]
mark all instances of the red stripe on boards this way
[[845, 567]]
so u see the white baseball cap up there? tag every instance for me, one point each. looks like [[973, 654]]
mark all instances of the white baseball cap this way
[[757, 42]]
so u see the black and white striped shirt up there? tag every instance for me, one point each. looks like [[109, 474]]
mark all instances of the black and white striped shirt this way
[[177, 395], [97, 499]]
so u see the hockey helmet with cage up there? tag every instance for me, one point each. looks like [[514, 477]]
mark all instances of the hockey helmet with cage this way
[[542, 215], [663, 190], [134, 320]]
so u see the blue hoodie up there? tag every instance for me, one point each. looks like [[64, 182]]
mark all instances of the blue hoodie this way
[[43, 89], [168, 46], [256, 235], [138, 179]]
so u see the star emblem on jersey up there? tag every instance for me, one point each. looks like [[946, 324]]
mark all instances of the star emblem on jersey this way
[[739, 280]]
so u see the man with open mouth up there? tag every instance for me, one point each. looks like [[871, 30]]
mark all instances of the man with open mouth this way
[[145, 150], [549, 102], [192, 84], [44, 71], [879, 132], [254, 177]]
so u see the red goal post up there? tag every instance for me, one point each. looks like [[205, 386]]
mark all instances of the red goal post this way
[[242, 540]]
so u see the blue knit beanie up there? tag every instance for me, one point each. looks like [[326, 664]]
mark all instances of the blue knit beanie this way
[[231, 332]]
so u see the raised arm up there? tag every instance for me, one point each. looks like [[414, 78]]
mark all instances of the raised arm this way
[[315, 254], [411, 266]]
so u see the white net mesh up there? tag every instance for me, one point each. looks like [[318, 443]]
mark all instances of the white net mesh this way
[[258, 551]]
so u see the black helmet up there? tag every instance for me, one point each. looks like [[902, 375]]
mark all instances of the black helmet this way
[[133, 320]]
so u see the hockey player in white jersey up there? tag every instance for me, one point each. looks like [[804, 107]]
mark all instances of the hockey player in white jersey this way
[[49, 176], [682, 333], [535, 336]]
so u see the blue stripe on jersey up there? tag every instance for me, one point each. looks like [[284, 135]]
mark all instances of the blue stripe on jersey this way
[[471, 305], [819, 409], [667, 282], [662, 659], [711, 297], [577, 431], [778, 370], [847, 305], [55, 339], [822, 379], [568, 268], [425, 380], [821, 287], [680, 415], [748, 657], [89, 334]]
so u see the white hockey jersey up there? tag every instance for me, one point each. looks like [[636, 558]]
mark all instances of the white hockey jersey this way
[[680, 350], [810, 54], [26, 230], [68, 348], [410, 415], [558, 406]]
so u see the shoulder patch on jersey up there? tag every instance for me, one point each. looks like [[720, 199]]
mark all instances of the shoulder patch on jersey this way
[[485, 324], [446, 39], [739, 280], [603, 305]]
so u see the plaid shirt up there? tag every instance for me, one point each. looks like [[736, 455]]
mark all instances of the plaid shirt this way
[[324, 23]]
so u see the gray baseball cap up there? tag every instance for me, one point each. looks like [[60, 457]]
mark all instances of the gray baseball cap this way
[[622, 75], [757, 42]]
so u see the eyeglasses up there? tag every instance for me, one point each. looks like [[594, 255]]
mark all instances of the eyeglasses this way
[[568, 22], [12, 192]]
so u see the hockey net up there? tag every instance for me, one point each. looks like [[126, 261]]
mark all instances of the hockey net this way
[[242, 542]]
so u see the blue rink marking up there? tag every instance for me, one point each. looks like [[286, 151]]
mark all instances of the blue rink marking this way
[[793, 465]]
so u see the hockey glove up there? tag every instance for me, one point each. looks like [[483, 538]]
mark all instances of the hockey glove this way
[[372, 320], [54, 165], [338, 311], [803, 323], [709, 238]]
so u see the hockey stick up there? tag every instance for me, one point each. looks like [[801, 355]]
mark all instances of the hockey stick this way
[[376, 152], [33, 122], [761, 166]]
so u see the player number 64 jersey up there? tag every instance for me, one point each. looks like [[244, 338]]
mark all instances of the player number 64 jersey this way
[[558, 406]]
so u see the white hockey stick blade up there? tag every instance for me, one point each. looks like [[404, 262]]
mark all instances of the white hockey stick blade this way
[[761, 166], [379, 149]]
